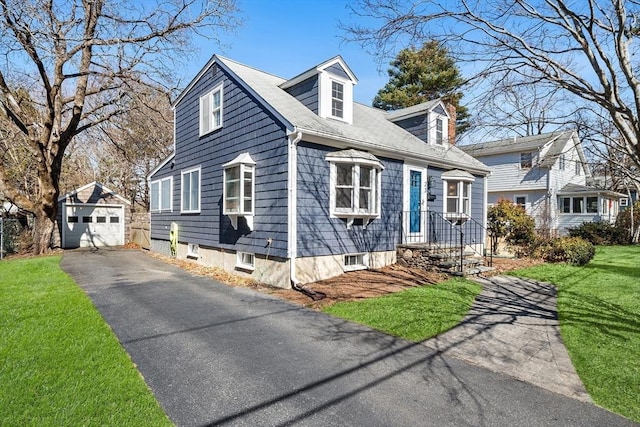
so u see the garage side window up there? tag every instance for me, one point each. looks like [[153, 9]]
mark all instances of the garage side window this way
[[161, 191], [191, 190]]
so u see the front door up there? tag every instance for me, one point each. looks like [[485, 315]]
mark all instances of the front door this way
[[415, 201]]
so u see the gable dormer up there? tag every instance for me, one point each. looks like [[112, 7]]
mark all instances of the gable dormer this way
[[326, 89], [430, 121]]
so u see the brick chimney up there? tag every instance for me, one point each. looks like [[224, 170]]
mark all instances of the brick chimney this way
[[451, 109]]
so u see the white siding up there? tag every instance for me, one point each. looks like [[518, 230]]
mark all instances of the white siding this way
[[506, 174]]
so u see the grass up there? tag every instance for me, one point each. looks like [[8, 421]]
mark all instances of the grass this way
[[60, 363], [599, 311], [415, 314]]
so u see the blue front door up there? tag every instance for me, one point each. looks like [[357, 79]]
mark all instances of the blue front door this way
[[415, 201]]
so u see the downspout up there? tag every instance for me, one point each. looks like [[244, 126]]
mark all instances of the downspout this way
[[292, 228]]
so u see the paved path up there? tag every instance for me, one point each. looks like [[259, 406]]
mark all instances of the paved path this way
[[215, 355], [513, 328]]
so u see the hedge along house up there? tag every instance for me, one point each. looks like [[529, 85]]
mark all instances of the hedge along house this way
[[290, 181]]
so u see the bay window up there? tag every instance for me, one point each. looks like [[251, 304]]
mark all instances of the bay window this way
[[239, 189], [457, 191], [355, 180]]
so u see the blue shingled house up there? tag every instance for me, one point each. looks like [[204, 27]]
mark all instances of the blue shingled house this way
[[290, 181]]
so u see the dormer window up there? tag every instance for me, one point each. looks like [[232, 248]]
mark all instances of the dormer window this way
[[337, 99], [439, 131]]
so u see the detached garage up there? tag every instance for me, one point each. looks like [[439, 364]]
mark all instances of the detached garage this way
[[93, 216]]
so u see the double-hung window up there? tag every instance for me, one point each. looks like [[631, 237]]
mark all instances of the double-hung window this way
[[337, 99], [211, 110], [239, 189], [457, 191], [355, 179], [439, 131], [458, 197], [526, 160], [161, 190], [191, 190]]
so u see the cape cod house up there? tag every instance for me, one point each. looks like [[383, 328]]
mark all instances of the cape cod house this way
[[547, 174], [291, 181]]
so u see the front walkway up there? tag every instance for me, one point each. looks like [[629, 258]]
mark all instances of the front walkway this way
[[513, 328]]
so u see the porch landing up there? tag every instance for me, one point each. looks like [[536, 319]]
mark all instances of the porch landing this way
[[453, 260]]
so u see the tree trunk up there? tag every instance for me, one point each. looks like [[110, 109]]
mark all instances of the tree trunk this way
[[45, 216]]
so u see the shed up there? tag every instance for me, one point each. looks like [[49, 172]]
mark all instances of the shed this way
[[93, 216]]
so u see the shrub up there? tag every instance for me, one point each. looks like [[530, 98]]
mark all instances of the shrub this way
[[511, 222], [572, 250], [623, 221], [600, 233]]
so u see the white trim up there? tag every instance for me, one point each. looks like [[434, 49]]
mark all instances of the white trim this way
[[245, 266], [97, 184], [65, 205], [526, 199], [292, 203], [207, 99], [193, 250], [318, 69], [406, 194], [160, 181], [461, 183], [624, 202], [182, 174], [245, 164], [162, 163], [325, 80], [360, 266]]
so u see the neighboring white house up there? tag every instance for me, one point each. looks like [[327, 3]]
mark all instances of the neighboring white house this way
[[547, 174]]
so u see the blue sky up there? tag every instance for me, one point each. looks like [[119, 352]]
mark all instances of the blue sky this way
[[286, 37]]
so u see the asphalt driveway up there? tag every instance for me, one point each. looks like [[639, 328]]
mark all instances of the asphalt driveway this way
[[216, 355]]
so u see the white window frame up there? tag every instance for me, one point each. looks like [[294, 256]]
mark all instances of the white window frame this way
[[325, 97], [214, 112], [375, 191], [461, 183], [439, 131], [624, 202], [518, 196], [193, 250], [190, 209], [245, 165], [578, 170], [562, 162], [530, 162], [337, 100], [361, 258], [599, 205], [158, 197], [246, 260]]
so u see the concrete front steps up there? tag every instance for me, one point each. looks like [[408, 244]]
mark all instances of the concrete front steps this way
[[446, 260]]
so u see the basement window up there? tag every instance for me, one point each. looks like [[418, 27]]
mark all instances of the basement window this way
[[355, 262], [193, 250], [246, 261]]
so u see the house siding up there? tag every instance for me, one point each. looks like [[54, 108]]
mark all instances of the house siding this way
[[307, 93], [506, 174], [247, 127], [320, 235], [418, 126]]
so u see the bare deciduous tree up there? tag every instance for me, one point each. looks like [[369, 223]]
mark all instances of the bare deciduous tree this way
[[585, 49], [79, 61]]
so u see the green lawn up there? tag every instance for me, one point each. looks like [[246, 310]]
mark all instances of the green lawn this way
[[60, 364], [599, 310], [415, 314]]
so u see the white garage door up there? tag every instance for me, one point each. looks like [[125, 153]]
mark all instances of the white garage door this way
[[87, 226]]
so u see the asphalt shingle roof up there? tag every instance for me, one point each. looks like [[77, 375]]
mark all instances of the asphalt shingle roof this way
[[370, 129], [528, 143]]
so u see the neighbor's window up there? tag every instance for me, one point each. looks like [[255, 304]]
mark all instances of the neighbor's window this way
[[578, 205], [592, 204], [161, 195], [439, 131], [578, 167], [566, 204], [562, 162], [458, 198], [337, 99], [521, 201], [211, 110], [526, 160], [191, 191]]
